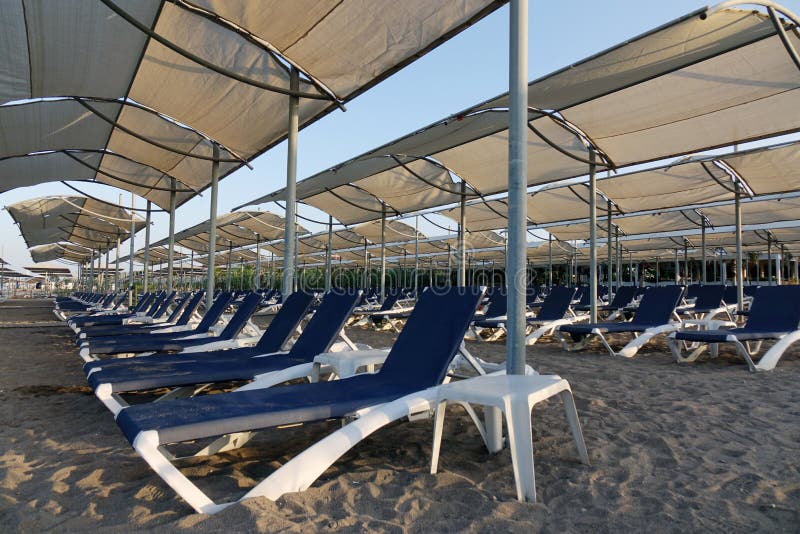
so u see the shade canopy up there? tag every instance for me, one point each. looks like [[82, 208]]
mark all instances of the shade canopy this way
[[85, 221], [60, 251], [719, 76], [150, 86], [233, 230]]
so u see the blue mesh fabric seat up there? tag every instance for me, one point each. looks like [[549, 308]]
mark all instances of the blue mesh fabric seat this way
[[418, 359], [235, 364], [652, 317], [774, 315]]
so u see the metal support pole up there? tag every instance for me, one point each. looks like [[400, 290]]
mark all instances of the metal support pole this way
[[685, 261], [677, 268], [212, 228], [769, 259], [517, 183], [366, 266], [105, 275], [608, 236], [416, 256], [703, 248], [228, 268], [739, 258], [130, 256], [462, 242], [289, 258], [91, 273], [592, 239], [329, 254], [779, 266], [619, 258], [171, 250], [550, 260], [383, 254], [257, 271], [116, 267], [191, 269], [146, 281]]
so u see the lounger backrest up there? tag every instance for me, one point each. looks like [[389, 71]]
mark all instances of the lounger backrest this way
[[623, 297], [775, 308], [498, 303], [556, 304], [325, 325], [244, 312], [585, 296], [145, 301], [164, 305], [179, 305], [191, 307], [391, 299], [120, 299], [657, 305], [213, 314], [730, 296], [693, 290], [431, 337], [107, 300], [156, 303], [709, 296], [285, 322]]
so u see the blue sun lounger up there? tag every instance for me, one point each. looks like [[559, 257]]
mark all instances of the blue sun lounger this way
[[418, 360], [171, 341], [774, 316], [178, 318], [109, 379], [651, 318], [146, 306]]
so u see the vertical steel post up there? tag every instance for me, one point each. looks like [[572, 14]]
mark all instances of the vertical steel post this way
[[257, 273], [329, 255], [366, 266], [116, 267], [289, 258], [739, 276], [703, 248], [592, 238], [619, 257], [191, 269], [416, 256], [677, 268], [212, 228], [130, 257], [686, 277], [91, 273], [769, 259], [550, 260], [608, 236], [228, 268], [171, 250], [517, 183], [462, 242], [383, 253], [146, 281]]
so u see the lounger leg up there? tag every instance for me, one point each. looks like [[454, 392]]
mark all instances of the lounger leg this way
[[302, 470], [770, 358], [146, 444], [520, 438], [575, 425], [438, 426], [228, 442]]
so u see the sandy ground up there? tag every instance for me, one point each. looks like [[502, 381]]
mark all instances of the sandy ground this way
[[704, 447]]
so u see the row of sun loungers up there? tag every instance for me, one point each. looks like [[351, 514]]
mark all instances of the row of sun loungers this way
[[164, 343]]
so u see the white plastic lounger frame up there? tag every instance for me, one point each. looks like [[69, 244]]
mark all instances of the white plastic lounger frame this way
[[630, 349], [746, 350], [302, 470]]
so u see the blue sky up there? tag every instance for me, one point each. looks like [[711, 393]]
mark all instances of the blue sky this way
[[469, 68]]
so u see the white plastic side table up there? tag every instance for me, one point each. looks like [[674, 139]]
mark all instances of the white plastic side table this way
[[346, 363], [514, 396]]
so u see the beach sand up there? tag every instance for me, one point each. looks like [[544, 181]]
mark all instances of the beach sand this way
[[703, 447]]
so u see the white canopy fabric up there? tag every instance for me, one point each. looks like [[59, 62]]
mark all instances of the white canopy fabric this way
[[60, 251], [709, 79], [158, 81], [82, 220], [233, 229]]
